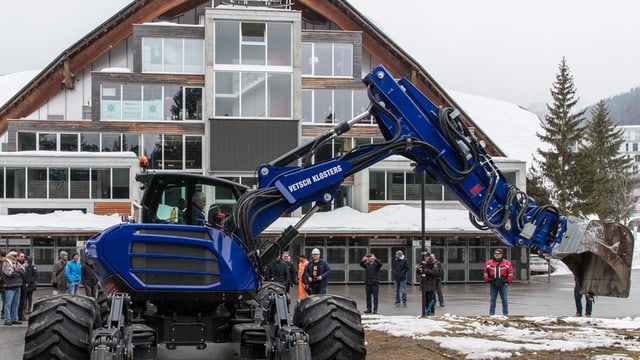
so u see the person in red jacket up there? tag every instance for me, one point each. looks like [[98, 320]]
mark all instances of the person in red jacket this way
[[498, 272]]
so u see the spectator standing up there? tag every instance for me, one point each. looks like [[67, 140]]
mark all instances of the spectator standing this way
[[302, 288], [498, 272], [577, 295], [371, 267], [31, 271], [427, 271], [439, 280], [400, 268], [3, 257], [58, 277], [23, 289], [12, 272], [316, 273], [293, 274], [89, 280], [73, 273], [278, 271]]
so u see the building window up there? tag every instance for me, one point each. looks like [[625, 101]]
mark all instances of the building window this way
[[69, 142], [90, 142], [100, 183], [150, 102], [320, 106], [26, 141], [252, 43], [173, 152], [253, 94], [79, 183], [172, 55], [58, 183], [37, 183], [323, 59], [15, 183], [111, 143], [47, 142], [253, 70], [120, 183], [65, 183]]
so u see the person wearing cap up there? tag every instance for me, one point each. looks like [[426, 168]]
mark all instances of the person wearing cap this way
[[316, 273], [498, 272], [371, 267], [12, 272], [399, 270], [427, 271], [58, 277]]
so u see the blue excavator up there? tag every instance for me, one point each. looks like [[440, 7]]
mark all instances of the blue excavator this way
[[167, 280]]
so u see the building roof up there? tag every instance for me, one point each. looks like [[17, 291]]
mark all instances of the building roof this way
[[60, 72]]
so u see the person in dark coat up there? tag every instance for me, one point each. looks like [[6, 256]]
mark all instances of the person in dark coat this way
[[278, 271], [399, 272], [293, 272], [31, 281], [439, 279], [427, 272], [316, 273], [89, 280], [371, 267]]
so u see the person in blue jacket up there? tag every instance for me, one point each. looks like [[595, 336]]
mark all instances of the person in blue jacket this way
[[316, 273], [73, 273]]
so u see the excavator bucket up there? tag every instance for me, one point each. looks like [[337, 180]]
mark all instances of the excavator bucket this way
[[599, 255]]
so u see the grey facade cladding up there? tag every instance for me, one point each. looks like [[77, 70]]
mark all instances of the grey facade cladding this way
[[244, 145]]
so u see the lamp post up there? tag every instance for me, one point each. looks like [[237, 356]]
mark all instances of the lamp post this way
[[423, 241]]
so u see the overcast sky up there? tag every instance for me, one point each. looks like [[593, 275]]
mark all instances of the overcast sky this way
[[503, 49]]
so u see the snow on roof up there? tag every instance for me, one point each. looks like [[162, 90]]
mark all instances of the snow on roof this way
[[512, 128], [58, 221], [10, 84], [389, 219]]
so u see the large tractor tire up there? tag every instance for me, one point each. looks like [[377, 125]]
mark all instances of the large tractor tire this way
[[60, 327], [269, 288], [334, 327]]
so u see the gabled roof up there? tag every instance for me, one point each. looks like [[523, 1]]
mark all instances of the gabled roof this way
[[60, 72]]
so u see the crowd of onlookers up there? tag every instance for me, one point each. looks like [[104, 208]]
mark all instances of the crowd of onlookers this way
[[19, 280], [20, 277]]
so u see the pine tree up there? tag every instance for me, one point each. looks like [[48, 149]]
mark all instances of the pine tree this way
[[563, 131], [535, 187], [607, 190]]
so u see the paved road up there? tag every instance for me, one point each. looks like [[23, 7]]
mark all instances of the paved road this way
[[539, 297]]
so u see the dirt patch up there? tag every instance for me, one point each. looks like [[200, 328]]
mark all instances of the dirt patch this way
[[383, 346]]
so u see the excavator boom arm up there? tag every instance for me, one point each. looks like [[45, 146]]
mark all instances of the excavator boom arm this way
[[440, 143]]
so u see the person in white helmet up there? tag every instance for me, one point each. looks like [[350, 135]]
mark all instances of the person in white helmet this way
[[316, 273]]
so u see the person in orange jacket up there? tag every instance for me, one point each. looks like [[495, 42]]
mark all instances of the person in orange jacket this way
[[302, 262]]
